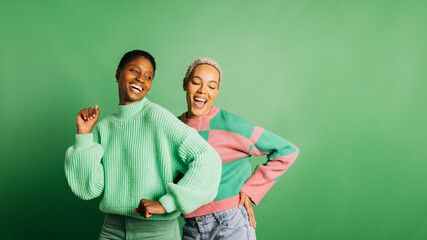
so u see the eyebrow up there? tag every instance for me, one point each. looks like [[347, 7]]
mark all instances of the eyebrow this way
[[208, 81], [139, 67]]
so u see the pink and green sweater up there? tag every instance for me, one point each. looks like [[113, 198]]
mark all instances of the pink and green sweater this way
[[236, 140]]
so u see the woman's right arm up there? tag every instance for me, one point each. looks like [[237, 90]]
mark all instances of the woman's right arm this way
[[83, 167]]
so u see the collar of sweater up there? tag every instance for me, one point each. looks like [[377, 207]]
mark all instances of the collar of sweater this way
[[200, 122], [128, 111]]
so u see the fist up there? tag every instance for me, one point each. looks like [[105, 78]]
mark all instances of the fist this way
[[86, 119], [147, 208]]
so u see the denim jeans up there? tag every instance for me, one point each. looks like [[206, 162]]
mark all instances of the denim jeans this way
[[122, 227], [228, 224]]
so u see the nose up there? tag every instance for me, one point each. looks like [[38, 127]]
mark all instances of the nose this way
[[202, 89], [139, 78]]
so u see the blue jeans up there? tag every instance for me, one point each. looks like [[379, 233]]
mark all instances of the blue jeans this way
[[228, 224]]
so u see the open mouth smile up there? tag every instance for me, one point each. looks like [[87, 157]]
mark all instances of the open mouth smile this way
[[199, 102], [136, 88]]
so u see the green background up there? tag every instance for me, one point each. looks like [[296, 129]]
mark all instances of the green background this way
[[345, 81]]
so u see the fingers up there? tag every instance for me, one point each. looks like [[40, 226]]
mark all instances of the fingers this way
[[89, 113], [144, 213], [85, 114], [146, 205], [144, 209], [82, 114], [96, 112], [86, 120], [251, 214], [148, 208], [242, 200], [79, 116]]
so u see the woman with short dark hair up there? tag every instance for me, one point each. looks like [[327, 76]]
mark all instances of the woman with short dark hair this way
[[133, 156]]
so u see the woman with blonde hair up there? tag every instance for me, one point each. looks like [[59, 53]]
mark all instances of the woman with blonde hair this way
[[230, 215]]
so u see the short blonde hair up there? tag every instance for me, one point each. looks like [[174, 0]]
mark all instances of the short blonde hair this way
[[200, 61]]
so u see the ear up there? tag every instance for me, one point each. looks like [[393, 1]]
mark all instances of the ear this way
[[117, 74]]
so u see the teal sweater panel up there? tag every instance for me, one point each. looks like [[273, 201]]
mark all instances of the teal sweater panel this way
[[136, 153]]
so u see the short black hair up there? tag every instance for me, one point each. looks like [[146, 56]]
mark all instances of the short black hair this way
[[131, 55]]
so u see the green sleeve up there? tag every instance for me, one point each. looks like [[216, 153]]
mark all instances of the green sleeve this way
[[200, 183], [83, 167]]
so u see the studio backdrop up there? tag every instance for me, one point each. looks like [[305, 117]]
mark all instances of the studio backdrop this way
[[345, 81]]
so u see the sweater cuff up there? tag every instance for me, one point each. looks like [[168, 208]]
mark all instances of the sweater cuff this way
[[168, 203], [84, 140], [253, 194]]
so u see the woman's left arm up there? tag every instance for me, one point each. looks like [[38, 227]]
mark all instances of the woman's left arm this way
[[280, 156], [200, 183]]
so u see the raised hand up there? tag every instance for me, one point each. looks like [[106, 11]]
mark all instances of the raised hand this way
[[147, 208], [86, 119], [244, 199]]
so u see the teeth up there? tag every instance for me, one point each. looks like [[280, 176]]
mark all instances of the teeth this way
[[200, 99], [136, 87]]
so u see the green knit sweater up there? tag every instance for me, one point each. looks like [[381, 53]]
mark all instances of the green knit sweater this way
[[136, 153]]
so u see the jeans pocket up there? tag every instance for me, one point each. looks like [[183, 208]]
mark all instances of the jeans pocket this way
[[190, 231], [244, 212], [231, 225], [250, 230], [113, 227], [231, 219]]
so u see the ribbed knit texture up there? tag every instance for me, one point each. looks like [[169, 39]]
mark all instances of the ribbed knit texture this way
[[236, 140], [136, 153]]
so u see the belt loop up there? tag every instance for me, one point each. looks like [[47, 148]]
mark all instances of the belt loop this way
[[217, 217]]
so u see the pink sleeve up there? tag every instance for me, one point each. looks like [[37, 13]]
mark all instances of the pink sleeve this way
[[280, 156]]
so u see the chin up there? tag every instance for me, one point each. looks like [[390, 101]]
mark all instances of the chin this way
[[134, 99], [137, 97], [200, 112]]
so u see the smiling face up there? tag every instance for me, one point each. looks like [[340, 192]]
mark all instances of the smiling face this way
[[134, 80], [202, 89]]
